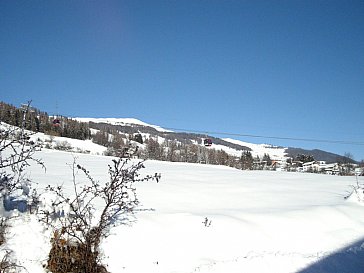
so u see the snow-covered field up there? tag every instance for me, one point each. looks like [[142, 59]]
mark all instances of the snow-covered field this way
[[257, 221], [83, 146]]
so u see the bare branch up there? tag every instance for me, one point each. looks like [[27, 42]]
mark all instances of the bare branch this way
[[80, 225]]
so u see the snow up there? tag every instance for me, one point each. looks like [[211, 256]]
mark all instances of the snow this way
[[275, 153], [121, 121], [77, 145], [261, 221]]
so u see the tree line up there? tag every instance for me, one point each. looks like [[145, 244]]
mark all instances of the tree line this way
[[156, 148], [36, 120], [176, 147]]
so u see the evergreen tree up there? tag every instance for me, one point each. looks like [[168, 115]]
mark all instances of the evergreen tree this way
[[304, 158], [267, 159], [246, 160], [138, 138], [38, 121]]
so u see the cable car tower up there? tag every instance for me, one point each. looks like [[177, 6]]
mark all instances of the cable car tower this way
[[56, 121], [26, 109]]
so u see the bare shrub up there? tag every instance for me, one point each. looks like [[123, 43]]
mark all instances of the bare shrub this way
[[3, 227], [77, 236], [63, 146], [70, 256], [17, 151], [7, 264]]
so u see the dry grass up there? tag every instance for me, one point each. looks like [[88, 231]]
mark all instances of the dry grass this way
[[66, 257]]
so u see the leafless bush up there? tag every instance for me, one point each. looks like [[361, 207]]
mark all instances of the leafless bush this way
[[77, 236], [7, 265], [69, 256], [357, 191], [16, 153], [63, 146], [3, 226]]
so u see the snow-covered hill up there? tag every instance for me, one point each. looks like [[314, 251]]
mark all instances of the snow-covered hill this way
[[231, 146], [76, 145], [211, 219], [122, 122], [276, 153]]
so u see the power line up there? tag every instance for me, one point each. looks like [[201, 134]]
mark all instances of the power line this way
[[345, 142]]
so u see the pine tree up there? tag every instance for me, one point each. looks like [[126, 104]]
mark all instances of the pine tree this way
[[267, 159], [246, 160], [138, 138]]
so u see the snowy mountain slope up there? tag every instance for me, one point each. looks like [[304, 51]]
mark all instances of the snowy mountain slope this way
[[121, 121], [130, 126], [76, 145], [257, 221], [275, 153], [322, 155], [231, 146], [235, 148]]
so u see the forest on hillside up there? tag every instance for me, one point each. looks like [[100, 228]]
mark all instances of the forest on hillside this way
[[36, 120], [157, 145]]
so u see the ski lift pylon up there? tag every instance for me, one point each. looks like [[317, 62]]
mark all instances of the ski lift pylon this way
[[56, 120]]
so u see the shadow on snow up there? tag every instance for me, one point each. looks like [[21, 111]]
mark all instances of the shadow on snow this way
[[349, 259]]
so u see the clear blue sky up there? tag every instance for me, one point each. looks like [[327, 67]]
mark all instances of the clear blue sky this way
[[274, 68]]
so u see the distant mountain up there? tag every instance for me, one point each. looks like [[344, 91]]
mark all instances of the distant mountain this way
[[121, 122], [319, 155], [86, 128], [154, 131], [274, 152], [231, 146]]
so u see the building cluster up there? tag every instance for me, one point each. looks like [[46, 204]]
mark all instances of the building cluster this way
[[316, 166]]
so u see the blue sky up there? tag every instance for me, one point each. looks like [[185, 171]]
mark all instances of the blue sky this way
[[273, 68]]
